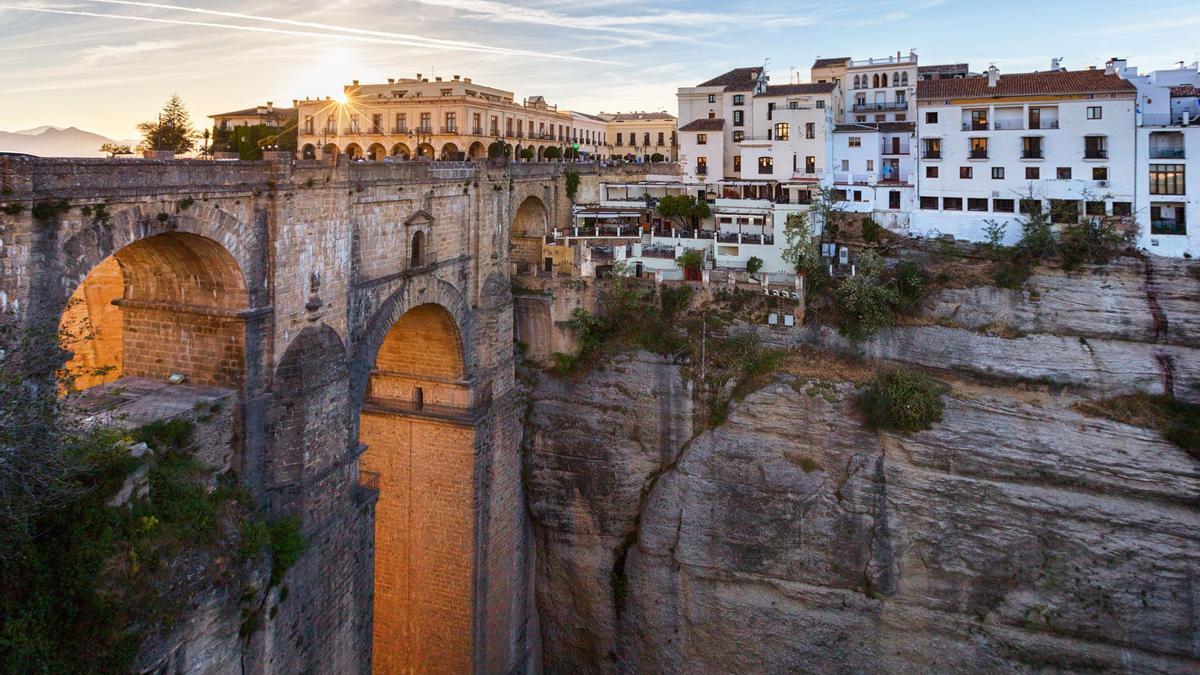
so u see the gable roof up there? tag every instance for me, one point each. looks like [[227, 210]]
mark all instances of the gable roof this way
[[631, 117], [709, 124], [1027, 84], [793, 89], [829, 63], [258, 111], [738, 79]]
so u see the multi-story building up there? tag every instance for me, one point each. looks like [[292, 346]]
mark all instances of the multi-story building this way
[[994, 146], [711, 116], [590, 134], [251, 131], [266, 115], [640, 136], [944, 71], [438, 119], [1168, 158]]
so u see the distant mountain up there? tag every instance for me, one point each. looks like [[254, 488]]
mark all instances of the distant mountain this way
[[51, 141]]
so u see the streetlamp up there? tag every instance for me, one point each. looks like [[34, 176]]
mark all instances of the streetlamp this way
[[419, 136]]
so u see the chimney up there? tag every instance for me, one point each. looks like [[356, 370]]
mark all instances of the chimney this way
[[1055, 64], [456, 78], [438, 79], [391, 80], [993, 75], [418, 77], [467, 80], [270, 107]]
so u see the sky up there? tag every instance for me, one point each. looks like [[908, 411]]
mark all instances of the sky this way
[[105, 65]]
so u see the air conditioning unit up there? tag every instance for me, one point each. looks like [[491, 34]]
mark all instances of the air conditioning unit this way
[[1102, 183]]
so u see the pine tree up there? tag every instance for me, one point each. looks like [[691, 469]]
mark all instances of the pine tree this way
[[172, 130]]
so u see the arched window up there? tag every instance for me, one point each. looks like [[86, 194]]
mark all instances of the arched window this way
[[875, 81], [856, 82], [418, 249], [895, 79], [904, 78], [883, 79]]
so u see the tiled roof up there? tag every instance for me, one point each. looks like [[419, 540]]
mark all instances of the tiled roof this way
[[277, 112], [710, 124], [632, 117], [1027, 84], [792, 89], [944, 68], [738, 79], [829, 63], [1184, 91]]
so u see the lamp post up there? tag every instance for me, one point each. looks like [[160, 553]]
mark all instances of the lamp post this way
[[419, 136]]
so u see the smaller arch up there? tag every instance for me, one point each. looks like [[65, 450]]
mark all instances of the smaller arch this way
[[354, 151], [477, 151], [309, 151], [875, 81], [883, 79], [541, 153], [857, 82], [417, 250], [449, 152], [425, 151], [400, 150], [376, 152], [904, 78], [330, 149]]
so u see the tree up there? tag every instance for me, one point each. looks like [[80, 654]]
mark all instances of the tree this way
[[683, 209], [657, 157], [691, 260], [902, 400], [828, 213], [572, 180], [866, 301], [499, 149], [754, 264], [527, 153], [802, 250], [553, 152], [116, 149], [172, 130]]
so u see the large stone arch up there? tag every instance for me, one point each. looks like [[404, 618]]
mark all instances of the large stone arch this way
[[417, 426], [401, 150], [309, 151], [477, 151], [376, 152], [308, 424], [530, 224], [449, 151]]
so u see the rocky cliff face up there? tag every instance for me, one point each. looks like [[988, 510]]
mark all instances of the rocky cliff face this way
[[1016, 534]]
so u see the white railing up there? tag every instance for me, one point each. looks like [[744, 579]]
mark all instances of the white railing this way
[[887, 60]]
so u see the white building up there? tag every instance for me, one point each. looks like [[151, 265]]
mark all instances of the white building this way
[[1168, 158], [995, 145]]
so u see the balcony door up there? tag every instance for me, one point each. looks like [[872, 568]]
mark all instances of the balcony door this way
[[1035, 118]]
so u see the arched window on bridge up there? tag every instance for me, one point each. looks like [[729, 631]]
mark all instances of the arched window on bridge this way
[[418, 249]]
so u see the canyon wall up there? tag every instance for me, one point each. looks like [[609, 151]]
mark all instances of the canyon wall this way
[[1016, 534]]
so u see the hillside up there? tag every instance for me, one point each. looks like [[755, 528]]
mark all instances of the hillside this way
[[48, 141]]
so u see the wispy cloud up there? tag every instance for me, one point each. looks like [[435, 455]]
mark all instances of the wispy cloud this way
[[327, 30], [93, 55]]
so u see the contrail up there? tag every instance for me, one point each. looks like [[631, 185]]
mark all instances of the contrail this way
[[395, 39]]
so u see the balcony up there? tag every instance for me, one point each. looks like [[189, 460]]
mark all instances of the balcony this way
[[1044, 124], [1166, 153], [701, 169], [1095, 154], [1009, 125], [885, 61], [931, 154], [978, 154], [894, 149], [975, 126], [880, 107], [1032, 154], [400, 130], [452, 129], [477, 131]]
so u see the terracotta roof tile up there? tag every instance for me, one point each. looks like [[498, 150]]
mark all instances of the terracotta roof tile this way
[[944, 68], [1184, 91], [829, 63], [738, 79], [709, 124], [792, 89], [1026, 84]]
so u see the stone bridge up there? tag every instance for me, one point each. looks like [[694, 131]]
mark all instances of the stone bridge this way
[[360, 315]]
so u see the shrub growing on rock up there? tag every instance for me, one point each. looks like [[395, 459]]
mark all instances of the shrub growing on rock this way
[[902, 400]]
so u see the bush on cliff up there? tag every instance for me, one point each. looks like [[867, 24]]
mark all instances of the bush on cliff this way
[[902, 400]]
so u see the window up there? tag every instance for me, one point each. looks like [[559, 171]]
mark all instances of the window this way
[[997, 173], [1031, 206], [1064, 211], [1167, 219], [820, 104], [810, 164], [929, 203], [1122, 209], [977, 204], [701, 139], [964, 172], [308, 125], [739, 99], [952, 203], [979, 148], [1063, 173], [870, 165], [712, 98], [839, 195], [646, 138], [739, 136], [894, 199], [810, 130], [783, 131], [712, 115], [701, 165], [1094, 208], [855, 142], [1004, 205], [1095, 147], [354, 124], [698, 137], [933, 148], [766, 165], [931, 118], [1166, 179], [451, 122], [858, 195], [931, 172], [662, 138], [377, 124], [1095, 112], [845, 165], [1031, 147], [737, 163], [1100, 173], [739, 118], [1032, 173], [426, 122]]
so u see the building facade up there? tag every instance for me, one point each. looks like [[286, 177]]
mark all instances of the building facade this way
[[439, 119], [640, 136], [995, 146]]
